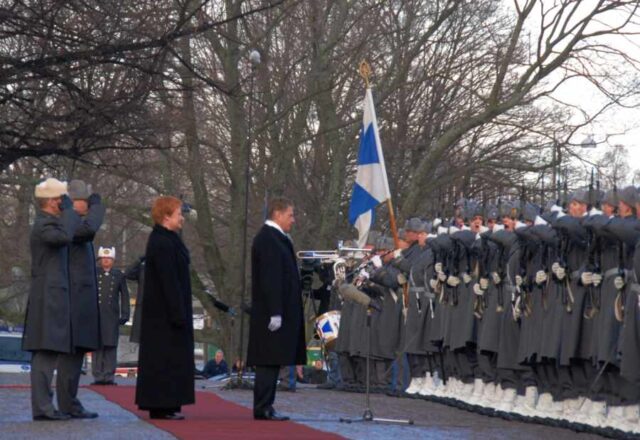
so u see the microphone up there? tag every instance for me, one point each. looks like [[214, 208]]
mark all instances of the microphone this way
[[350, 292]]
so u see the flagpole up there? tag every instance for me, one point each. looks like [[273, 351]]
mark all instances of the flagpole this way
[[365, 73]]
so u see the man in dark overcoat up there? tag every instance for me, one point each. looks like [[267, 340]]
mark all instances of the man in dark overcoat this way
[[47, 331], [276, 334], [114, 312], [85, 335]]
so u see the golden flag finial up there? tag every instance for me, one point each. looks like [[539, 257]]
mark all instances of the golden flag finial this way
[[365, 72]]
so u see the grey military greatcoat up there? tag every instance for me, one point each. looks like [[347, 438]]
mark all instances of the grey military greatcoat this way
[[48, 317], [82, 276], [114, 304]]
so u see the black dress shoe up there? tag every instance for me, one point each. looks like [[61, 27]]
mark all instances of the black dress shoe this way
[[270, 415], [84, 414], [170, 416], [56, 416]]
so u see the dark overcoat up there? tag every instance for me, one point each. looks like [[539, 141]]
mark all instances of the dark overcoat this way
[[166, 365], [114, 304], [82, 276], [48, 317], [275, 290]]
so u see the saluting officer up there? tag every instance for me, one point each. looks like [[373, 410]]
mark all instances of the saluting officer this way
[[113, 299]]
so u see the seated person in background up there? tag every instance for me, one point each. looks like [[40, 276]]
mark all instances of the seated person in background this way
[[216, 366]]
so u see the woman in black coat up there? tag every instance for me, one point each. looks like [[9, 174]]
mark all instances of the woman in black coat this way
[[166, 365]]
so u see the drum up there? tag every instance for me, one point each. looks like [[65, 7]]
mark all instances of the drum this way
[[327, 326]]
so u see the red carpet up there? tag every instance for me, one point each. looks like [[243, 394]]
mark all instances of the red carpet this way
[[215, 418]]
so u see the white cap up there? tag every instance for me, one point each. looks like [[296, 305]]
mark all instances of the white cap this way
[[50, 189], [107, 252]]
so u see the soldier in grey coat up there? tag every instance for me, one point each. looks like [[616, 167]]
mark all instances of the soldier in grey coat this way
[[85, 333], [47, 331], [114, 312]]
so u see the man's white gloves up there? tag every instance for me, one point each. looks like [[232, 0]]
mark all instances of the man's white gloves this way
[[586, 278], [496, 278], [484, 283], [596, 279], [275, 323], [377, 261], [466, 278]]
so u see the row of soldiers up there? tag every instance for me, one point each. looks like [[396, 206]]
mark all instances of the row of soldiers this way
[[512, 308]]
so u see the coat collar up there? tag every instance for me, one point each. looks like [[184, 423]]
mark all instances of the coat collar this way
[[175, 237]]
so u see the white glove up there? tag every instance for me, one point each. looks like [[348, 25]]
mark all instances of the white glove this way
[[596, 279], [434, 284], [275, 323], [586, 278], [484, 283], [496, 278], [561, 273], [377, 261], [519, 280], [555, 266], [442, 277], [477, 289], [618, 282], [541, 277], [453, 281], [438, 267], [397, 253], [466, 278], [363, 274]]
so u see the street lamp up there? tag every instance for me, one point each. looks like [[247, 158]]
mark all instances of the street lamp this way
[[254, 59]]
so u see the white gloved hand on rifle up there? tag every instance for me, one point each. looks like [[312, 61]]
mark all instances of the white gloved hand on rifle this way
[[466, 278], [477, 289], [596, 279], [541, 277], [496, 278], [453, 281], [484, 283], [586, 278]]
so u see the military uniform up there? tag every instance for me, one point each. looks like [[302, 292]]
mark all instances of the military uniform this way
[[113, 299]]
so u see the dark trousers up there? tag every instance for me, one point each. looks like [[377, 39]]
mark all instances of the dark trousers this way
[[67, 381], [103, 364], [68, 365], [264, 389]]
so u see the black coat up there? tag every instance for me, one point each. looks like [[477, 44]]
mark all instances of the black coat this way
[[114, 304], [166, 366], [48, 317], [82, 276], [275, 290]]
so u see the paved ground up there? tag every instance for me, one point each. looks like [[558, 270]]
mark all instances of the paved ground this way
[[317, 408]]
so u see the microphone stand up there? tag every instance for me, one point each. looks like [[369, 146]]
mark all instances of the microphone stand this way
[[367, 415]]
